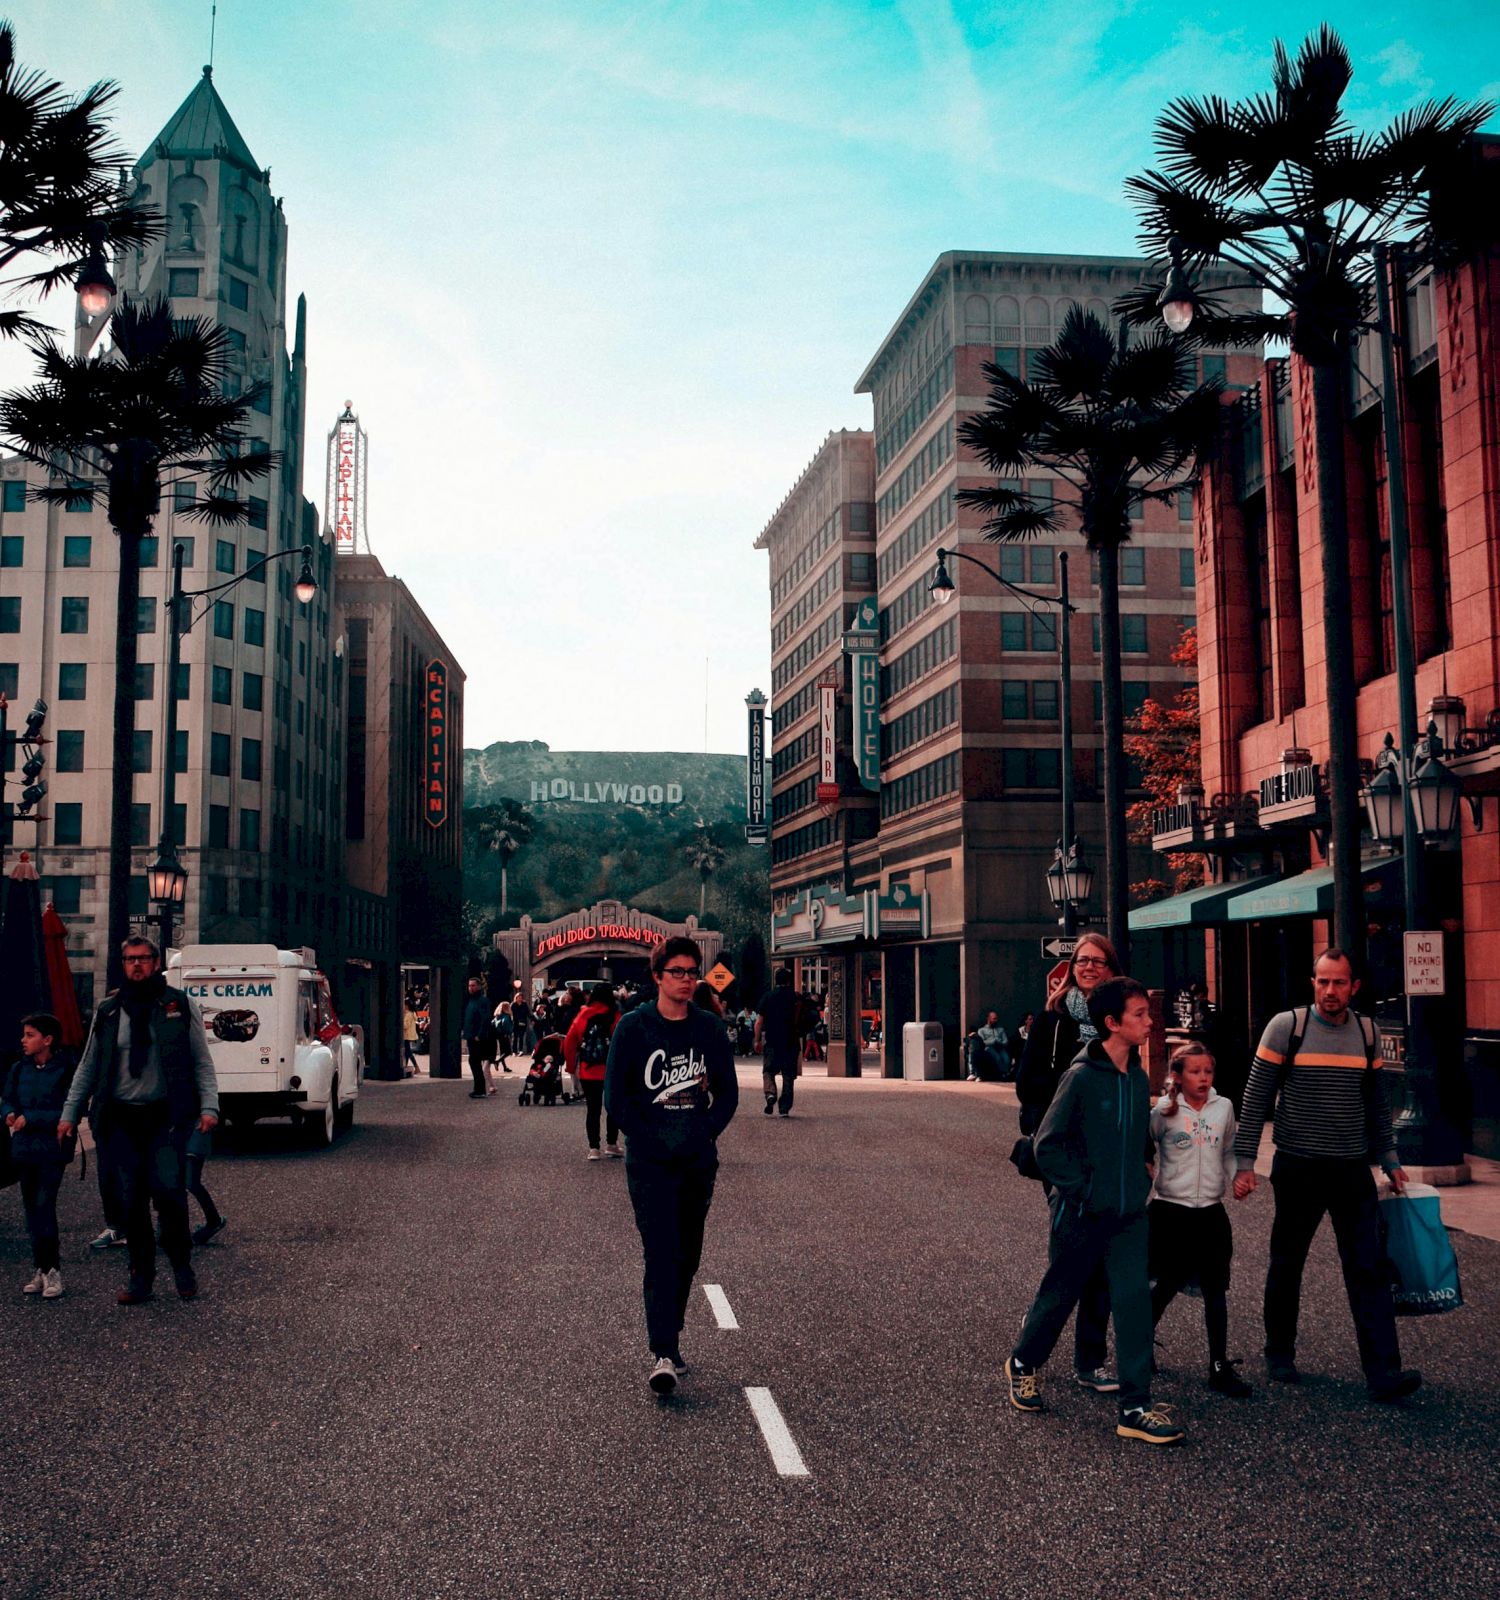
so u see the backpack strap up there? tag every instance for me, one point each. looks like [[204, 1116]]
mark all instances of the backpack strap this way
[[1300, 1015]]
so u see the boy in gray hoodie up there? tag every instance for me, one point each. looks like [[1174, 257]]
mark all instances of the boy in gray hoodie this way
[[1094, 1147]]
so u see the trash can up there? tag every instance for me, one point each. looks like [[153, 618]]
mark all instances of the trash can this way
[[922, 1050]]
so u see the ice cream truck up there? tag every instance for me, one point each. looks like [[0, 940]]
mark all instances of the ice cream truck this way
[[279, 1050]]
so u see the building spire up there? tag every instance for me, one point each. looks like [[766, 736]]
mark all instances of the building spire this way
[[213, 28]]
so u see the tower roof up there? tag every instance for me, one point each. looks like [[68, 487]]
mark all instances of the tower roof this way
[[201, 127]]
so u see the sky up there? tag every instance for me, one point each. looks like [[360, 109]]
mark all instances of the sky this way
[[599, 278]]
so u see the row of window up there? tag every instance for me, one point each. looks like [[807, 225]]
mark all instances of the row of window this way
[[184, 497], [813, 837], [78, 551], [937, 712], [1028, 699], [1013, 359], [806, 653], [930, 651], [182, 284], [937, 450], [65, 891], [790, 801], [915, 412], [916, 788], [917, 535], [788, 712], [904, 610], [73, 617], [1028, 631], [817, 596], [801, 749], [802, 563]]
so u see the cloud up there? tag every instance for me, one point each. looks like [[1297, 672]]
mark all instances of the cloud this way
[[1402, 68]]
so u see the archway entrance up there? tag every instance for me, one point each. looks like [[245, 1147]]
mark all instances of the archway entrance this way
[[579, 945]]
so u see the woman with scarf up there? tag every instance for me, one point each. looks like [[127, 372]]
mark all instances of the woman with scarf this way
[[1060, 1031]]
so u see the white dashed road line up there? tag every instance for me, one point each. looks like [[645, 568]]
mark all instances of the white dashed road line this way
[[720, 1302], [784, 1452]]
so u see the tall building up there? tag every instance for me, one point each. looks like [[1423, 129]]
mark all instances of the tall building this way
[[929, 902], [260, 696]]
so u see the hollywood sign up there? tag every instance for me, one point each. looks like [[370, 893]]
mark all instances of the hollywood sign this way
[[593, 792], [594, 933]]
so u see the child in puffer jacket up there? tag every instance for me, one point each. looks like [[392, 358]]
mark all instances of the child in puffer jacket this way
[[35, 1089], [1193, 1129]]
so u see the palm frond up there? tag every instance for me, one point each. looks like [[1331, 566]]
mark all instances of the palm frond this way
[[1076, 365], [1203, 142]]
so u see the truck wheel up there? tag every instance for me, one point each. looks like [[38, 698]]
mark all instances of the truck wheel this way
[[324, 1126]]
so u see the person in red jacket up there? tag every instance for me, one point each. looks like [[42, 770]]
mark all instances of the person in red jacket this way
[[586, 1050]]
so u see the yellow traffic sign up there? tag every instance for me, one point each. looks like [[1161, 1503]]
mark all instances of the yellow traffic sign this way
[[719, 976]]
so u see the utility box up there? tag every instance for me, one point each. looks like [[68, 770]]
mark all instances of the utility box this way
[[922, 1050]]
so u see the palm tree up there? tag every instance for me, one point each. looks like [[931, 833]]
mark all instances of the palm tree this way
[[705, 854], [113, 425], [59, 192], [1119, 424], [505, 828], [1283, 188]]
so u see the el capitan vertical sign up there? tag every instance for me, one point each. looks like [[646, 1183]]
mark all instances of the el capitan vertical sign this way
[[435, 756]]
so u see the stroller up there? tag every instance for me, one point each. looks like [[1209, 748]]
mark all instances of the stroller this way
[[543, 1082]]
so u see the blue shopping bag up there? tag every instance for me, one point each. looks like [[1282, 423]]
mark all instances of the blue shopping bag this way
[[1424, 1270]]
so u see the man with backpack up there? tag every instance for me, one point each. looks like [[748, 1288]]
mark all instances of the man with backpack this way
[[585, 1053], [1319, 1067]]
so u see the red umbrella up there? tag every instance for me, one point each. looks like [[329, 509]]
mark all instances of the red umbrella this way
[[60, 978], [25, 986]]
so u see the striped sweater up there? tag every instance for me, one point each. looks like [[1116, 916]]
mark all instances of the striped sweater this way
[[1326, 1109]]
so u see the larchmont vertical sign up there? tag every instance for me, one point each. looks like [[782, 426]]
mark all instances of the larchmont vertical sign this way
[[435, 752], [755, 768]]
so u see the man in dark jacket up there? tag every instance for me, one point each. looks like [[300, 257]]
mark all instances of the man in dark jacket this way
[[479, 1035], [1094, 1146], [670, 1085], [778, 1033], [148, 1071]]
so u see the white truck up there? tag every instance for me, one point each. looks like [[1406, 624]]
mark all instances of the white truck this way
[[279, 1050]]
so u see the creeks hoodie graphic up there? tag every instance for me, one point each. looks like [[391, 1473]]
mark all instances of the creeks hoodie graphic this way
[[670, 1085]]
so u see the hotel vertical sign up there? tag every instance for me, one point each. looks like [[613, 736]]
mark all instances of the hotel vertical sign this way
[[755, 768], [435, 755], [862, 646]]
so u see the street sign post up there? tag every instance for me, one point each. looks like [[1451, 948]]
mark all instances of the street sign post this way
[[1055, 976], [1424, 963], [1059, 947], [719, 976]]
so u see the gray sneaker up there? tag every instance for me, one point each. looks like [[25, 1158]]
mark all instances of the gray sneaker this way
[[1101, 1380], [663, 1377], [108, 1240], [52, 1285], [36, 1283]]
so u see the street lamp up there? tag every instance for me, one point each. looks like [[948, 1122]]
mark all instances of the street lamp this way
[[1177, 299], [1078, 879], [942, 590], [168, 872], [1384, 800], [1435, 792], [96, 288]]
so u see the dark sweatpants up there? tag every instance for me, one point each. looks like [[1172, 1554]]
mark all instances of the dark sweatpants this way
[[1091, 1325], [1305, 1189], [147, 1157], [1079, 1246], [785, 1063], [671, 1200], [40, 1181], [593, 1101]]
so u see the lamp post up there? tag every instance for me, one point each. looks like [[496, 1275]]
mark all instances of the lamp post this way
[[942, 589], [168, 874]]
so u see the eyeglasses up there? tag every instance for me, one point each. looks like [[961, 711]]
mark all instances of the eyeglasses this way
[[1090, 961], [681, 972], [136, 961]]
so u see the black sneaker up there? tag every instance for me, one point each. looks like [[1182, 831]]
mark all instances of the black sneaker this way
[[663, 1375], [770, 1104], [1282, 1369], [680, 1366], [1223, 1379], [187, 1283], [1025, 1386], [136, 1292], [1395, 1386], [1151, 1425], [1101, 1380], [209, 1230]]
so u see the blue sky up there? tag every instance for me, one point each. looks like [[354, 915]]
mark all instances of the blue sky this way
[[600, 278]]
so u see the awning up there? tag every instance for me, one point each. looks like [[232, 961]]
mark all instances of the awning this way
[[1203, 907], [1310, 894]]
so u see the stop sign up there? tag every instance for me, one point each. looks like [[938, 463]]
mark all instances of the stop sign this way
[[1055, 976]]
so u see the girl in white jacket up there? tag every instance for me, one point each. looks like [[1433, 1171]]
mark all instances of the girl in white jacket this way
[[1193, 1129]]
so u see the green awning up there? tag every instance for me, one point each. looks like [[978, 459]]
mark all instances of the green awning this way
[[1310, 894], [1203, 907]]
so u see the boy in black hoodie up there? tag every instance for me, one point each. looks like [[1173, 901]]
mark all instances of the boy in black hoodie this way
[[35, 1089], [670, 1085], [1094, 1146]]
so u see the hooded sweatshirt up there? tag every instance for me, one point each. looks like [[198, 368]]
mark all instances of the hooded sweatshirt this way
[[670, 1085], [1095, 1141], [587, 1071], [37, 1093], [1195, 1151]]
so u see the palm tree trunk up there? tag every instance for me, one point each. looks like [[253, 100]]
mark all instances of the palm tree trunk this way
[[702, 894], [1116, 866], [1328, 380], [122, 776], [503, 885]]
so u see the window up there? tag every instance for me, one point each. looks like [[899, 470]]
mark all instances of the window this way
[[1043, 566], [1014, 704], [12, 549], [223, 619], [72, 680], [250, 759], [1044, 700], [219, 748], [80, 503], [10, 613], [140, 825], [67, 823], [223, 686], [1184, 505], [218, 896], [179, 750], [69, 750], [1186, 572], [145, 680], [1133, 566], [10, 679], [257, 514], [1137, 509], [1044, 631], [1008, 359], [1133, 697], [1030, 769], [234, 340], [1012, 630], [218, 827], [15, 496], [1215, 367], [251, 690], [78, 550], [182, 282], [249, 829], [1013, 563], [184, 495], [145, 614], [224, 556], [184, 681], [255, 626], [75, 614], [1133, 635], [150, 548], [862, 569], [140, 753], [238, 291], [249, 897], [254, 573], [66, 894]]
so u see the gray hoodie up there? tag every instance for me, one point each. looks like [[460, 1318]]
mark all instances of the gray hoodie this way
[[1195, 1151]]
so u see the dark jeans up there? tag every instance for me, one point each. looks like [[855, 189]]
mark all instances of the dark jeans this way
[[40, 1181], [409, 1050], [1080, 1246], [147, 1157], [200, 1193], [479, 1054], [1193, 1244], [1091, 1325], [671, 1200], [1305, 1189], [779, 1061], [109, 1193], [593, 1100]]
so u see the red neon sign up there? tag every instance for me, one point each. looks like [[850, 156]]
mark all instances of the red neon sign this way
[[435, 758], [618, 932]]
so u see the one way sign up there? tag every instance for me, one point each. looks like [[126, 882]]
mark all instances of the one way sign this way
[[1059, 948]]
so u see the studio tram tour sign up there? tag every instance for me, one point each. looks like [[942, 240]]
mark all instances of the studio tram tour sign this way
[[602, 932]]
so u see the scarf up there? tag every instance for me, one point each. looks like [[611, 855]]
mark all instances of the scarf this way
[[1078, 1009], [137, 1001]]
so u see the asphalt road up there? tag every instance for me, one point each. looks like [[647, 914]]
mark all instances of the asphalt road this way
[[417, 1368]]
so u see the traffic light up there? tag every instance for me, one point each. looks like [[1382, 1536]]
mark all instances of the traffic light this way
[[34, 785]]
